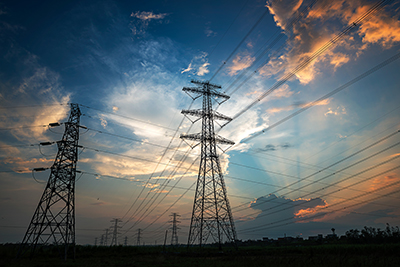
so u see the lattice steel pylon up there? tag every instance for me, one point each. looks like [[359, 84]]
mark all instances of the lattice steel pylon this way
[[211, 216], [175, 228], [54, 217], [114, 240]]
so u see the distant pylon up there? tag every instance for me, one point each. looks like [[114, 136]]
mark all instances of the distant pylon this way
[[95, 241], [211, 215], [114, 240], [126, 241], [54, 219], [174, 237], [102, 240], [139, 237], [106, 237]]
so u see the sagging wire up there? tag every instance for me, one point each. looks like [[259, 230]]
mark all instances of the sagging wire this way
[[38, 170]]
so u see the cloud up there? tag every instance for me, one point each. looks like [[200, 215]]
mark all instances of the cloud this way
[[203, 69], [240, 62], [148, 15], [142, 19], [209, 32], [198, 65], [318, 25], [189, 68], [340, 110], [271, 147], [274, 209]]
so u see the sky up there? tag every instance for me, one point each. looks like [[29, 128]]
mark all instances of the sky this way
[[314, 97]]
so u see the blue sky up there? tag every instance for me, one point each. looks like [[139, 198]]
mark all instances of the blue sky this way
[[126, 63]]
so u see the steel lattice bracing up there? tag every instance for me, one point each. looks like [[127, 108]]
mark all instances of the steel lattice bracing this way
[[175, 228], [53, 222], [212, 220]]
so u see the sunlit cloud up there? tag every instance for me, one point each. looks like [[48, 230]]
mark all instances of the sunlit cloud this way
[[143, 18], [203, 69], [382, 29], [339, 110], [198, 65], [240, 62]]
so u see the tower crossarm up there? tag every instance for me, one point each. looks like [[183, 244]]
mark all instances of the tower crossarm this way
[[206, 83], [200, 113], [198, 137], [201, 91]]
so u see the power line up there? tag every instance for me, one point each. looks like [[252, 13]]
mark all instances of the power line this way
[[341, 189], [263, 227], [347, 167], [127, 117], [308, 60], [337, 90]]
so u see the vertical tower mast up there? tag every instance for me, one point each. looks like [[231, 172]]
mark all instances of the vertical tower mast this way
[[114, 240], [175, 228], [211, 216], [54, 219]]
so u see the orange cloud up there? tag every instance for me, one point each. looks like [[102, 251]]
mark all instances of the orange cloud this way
[[291, 107], [381, 29], [240, 63], [315, 30]]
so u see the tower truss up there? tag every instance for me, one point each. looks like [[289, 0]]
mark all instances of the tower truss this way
[[175, 228], [53, 222], [211, 216]]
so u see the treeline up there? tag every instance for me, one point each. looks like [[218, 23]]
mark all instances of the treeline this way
[[371, 235]]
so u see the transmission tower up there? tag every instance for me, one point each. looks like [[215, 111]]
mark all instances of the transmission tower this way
[[126, 241], [174, 237], [138, 237], [114, 240], [54, 217], [211, 216], [105, 237]]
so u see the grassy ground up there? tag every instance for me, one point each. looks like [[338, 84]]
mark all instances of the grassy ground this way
[[323, 255]]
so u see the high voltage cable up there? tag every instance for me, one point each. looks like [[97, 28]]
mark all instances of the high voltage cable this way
[[307, 61], [165, 195], [127, 117], [140, 219], [273, 43], [159, 162], [337, 90], [371, 145], [123, 155], [240, 43], [340, 160], [252, 229], [337, 182], [267, 184], [222, 37], [256, 151], [125, 125], [349, 166]]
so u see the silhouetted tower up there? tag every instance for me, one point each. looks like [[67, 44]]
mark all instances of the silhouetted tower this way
[[102, 240], [95, 241], [105, 237], [54, 219], [138, 237], [126, 241], [114, 240], [211, 215], [174, 237]]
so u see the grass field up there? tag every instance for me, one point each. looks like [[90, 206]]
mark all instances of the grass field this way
[[322, 255]]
